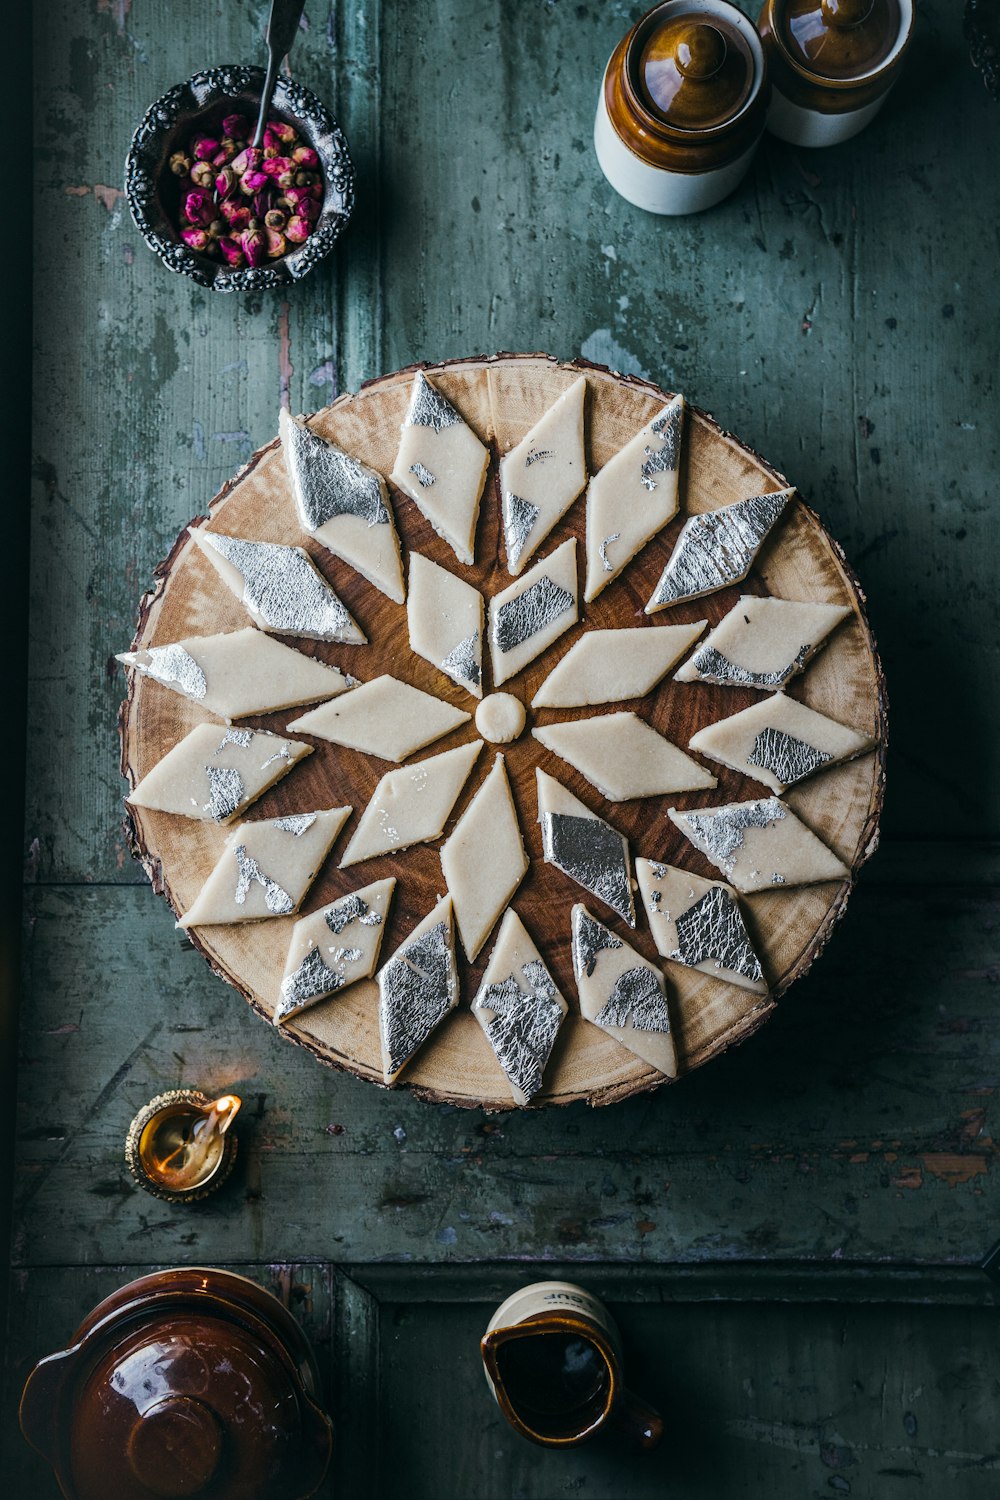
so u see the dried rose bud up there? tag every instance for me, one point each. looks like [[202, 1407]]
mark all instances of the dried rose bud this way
[[237, 126], [254, 246], [228, 145], [253, 180], [217, 229], [309, 210], [285, 203], [205, 146], [199, 207], [195, 239], [202, 175], [235, 213], [305, 156], [275, 165], [297, 229], [275, 242], [180, 164], [221, 158], [278, 134], [275, 219], [250, 156], [304, 179], [232, 250], [225, 182]]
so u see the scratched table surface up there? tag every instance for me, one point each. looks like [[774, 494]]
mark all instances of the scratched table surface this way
[[791, 1237]]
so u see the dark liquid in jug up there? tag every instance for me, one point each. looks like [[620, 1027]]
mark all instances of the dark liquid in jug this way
[[557, 1382]]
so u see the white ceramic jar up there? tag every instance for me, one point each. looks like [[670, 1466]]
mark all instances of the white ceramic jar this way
[[682, 106], [832, 64]]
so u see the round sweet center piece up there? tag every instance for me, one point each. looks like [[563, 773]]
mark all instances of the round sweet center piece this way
[[500, 718]]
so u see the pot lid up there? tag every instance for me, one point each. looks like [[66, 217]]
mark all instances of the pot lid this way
[[694, 71], [839, 38], [180, 1391]]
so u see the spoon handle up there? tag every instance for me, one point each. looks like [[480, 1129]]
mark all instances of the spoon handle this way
[[282, 25]]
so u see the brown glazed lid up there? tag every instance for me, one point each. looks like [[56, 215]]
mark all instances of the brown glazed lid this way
[[694, 73], [187, 1383], [838, 39]]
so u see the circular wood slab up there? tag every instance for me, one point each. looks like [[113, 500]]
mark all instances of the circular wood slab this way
[[501, 398]]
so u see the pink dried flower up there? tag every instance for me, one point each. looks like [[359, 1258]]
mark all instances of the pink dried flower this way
[[275, 242], [253, 180], [232, 250], [297, 229], [235, 213], [237, 126], [204, 147], [278, 133], [202, 175], [225, 182], [305, 156], [275, 165], [199, 207], [309, 210], [195, 239], [250, 156], [254, 247], [261, 202]]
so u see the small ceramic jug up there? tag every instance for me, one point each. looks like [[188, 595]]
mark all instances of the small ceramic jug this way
[[832, 64], [190, 1382], [682, 106], [553, 1360]]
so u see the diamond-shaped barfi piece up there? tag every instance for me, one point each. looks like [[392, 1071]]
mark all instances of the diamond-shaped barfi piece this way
[[633, 497], [266, 868], [281, 587], [519, 1008], [411, 805], [759, 845], [584, 847], [608, 666], [624, 757], [698, 923], [780, 742], [417, 988], [484, 860], [334, 947], [717, 548], [533, 612], [542, 476], [762, 643], [384, 717], [445, 618], [343, 504], [244, 672], [441, 465], [622, 992], [214, 773]]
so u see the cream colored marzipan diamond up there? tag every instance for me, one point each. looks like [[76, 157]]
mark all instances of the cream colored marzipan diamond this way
[[411, 805], [280, 587], [622, 992], [780, 741], [417, 988], [445, 618], [384, 717], [533, 612], [334, 947], [584, 847], [441, 465], [608, 666], [759, 845], [762, 643], [717, 548], [244, 672], [624, 757], [266, 868], [633, 497], [542, 476], [214, 773], [698, 923], [484, 860], [519, 1008]]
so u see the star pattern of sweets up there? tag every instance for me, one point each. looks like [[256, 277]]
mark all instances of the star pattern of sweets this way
[[525, 619]]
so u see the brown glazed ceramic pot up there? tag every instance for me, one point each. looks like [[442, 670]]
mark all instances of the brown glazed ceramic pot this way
[[188, 1383]]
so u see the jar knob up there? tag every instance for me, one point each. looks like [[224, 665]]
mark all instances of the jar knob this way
[[843, 14], [700, 53], [175, 1446]]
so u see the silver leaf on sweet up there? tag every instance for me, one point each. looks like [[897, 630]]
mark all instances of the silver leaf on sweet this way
[[712, 929], [417, 988], [519, 516], [637, 1000], [519, 619], [716, 548], [787, 758], [593, 854], [428, 408], [590, 939], [248, 873]]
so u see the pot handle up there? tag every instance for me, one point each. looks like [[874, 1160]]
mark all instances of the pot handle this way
[[41, 1402], [637, 1421], [317, 1447]]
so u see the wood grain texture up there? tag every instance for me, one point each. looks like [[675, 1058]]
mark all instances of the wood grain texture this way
[[502, 399]]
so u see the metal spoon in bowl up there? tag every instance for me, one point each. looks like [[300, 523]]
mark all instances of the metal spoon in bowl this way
[[282, 25]]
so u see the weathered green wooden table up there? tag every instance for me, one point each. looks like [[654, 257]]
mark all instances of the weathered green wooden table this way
[[792, 1236]]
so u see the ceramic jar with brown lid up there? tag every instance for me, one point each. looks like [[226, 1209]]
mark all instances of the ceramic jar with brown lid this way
[[191, 1382], [682, 106], [832, 63]]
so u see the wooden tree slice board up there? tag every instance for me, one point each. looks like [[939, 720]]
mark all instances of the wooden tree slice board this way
[[501, 397]]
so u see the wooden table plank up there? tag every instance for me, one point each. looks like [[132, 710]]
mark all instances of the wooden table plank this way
[[855, 1127]]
